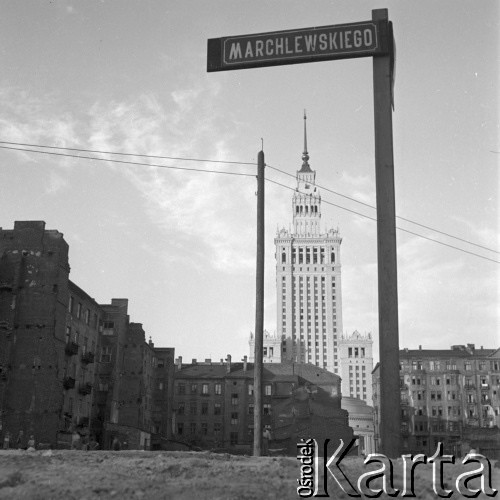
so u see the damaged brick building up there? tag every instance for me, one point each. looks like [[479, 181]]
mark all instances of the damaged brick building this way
[[68, 363]]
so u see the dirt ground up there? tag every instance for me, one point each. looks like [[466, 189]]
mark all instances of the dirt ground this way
[[147, 475]]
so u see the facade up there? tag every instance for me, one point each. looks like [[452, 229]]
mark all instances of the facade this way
[[271, 348], [68, 364], [450, 396], [213, 405], [34, 274], [356, 365], [81, 345], [308, 279]]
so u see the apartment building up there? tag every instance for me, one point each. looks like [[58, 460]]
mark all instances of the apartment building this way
[[214, 404], [450, 396]]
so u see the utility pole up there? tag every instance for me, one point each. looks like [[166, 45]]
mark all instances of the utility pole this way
[[259, 312], [390, 406]]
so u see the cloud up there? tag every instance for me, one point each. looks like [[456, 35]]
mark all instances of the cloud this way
[[30, 120], [210, 216]]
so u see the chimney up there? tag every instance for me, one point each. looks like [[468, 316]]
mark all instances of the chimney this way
[[419, 347], [470, 348], [228, 365], [179, 362], [208, 361], [245, 359], [151, 342], [194, 361]]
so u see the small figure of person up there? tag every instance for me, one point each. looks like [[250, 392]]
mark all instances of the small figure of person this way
[[266, 437], [76, 443], [116, 446], [31, 443], [6, 440], [20, 441]]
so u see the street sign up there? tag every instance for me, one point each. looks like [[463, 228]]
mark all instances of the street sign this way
[[323, 43]]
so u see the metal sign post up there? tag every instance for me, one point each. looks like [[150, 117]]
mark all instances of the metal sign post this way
[[372, 38]]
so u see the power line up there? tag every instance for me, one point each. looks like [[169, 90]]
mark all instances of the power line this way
[[232, 173], [206, 171], [397, 216], [242, 175], [128, 154], [398, 228]]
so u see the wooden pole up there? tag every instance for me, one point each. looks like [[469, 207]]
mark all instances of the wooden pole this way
[[390, 408], [259, 311]]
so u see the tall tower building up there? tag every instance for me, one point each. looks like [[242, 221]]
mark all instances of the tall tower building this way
[[308, 278]]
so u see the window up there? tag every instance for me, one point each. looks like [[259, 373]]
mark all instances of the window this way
[[204, 428], [266, 409], [217, 428], [71, 304], [87, 316], [180, 428], [217, 409], [108, 328], [204, 389], [193, 408], [181, 409], [234, 418], [251, 408], [233, 438], [250, 389], [218, 389], [234, 399], [78, 310], [160, 384], [192, 428], [106, 354], [194, 388], [204, 408], [181, 389], [267, 390]]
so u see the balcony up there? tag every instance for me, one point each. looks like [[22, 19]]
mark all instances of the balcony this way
[[71, 348], [5, 285], [85, 389], [68, 383], [88, 357]]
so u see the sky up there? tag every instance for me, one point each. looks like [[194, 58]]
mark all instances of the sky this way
[[131, 77]]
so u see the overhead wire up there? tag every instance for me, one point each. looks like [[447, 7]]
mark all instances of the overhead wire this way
[[157, 157], [209, 171], [27, 148], [397, 227], [397, 216]]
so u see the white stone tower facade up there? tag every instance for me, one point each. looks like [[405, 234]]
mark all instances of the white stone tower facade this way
[[271, 347], [356, 362], [308, 279]]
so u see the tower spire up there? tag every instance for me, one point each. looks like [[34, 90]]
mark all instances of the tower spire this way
[[305, 154]]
